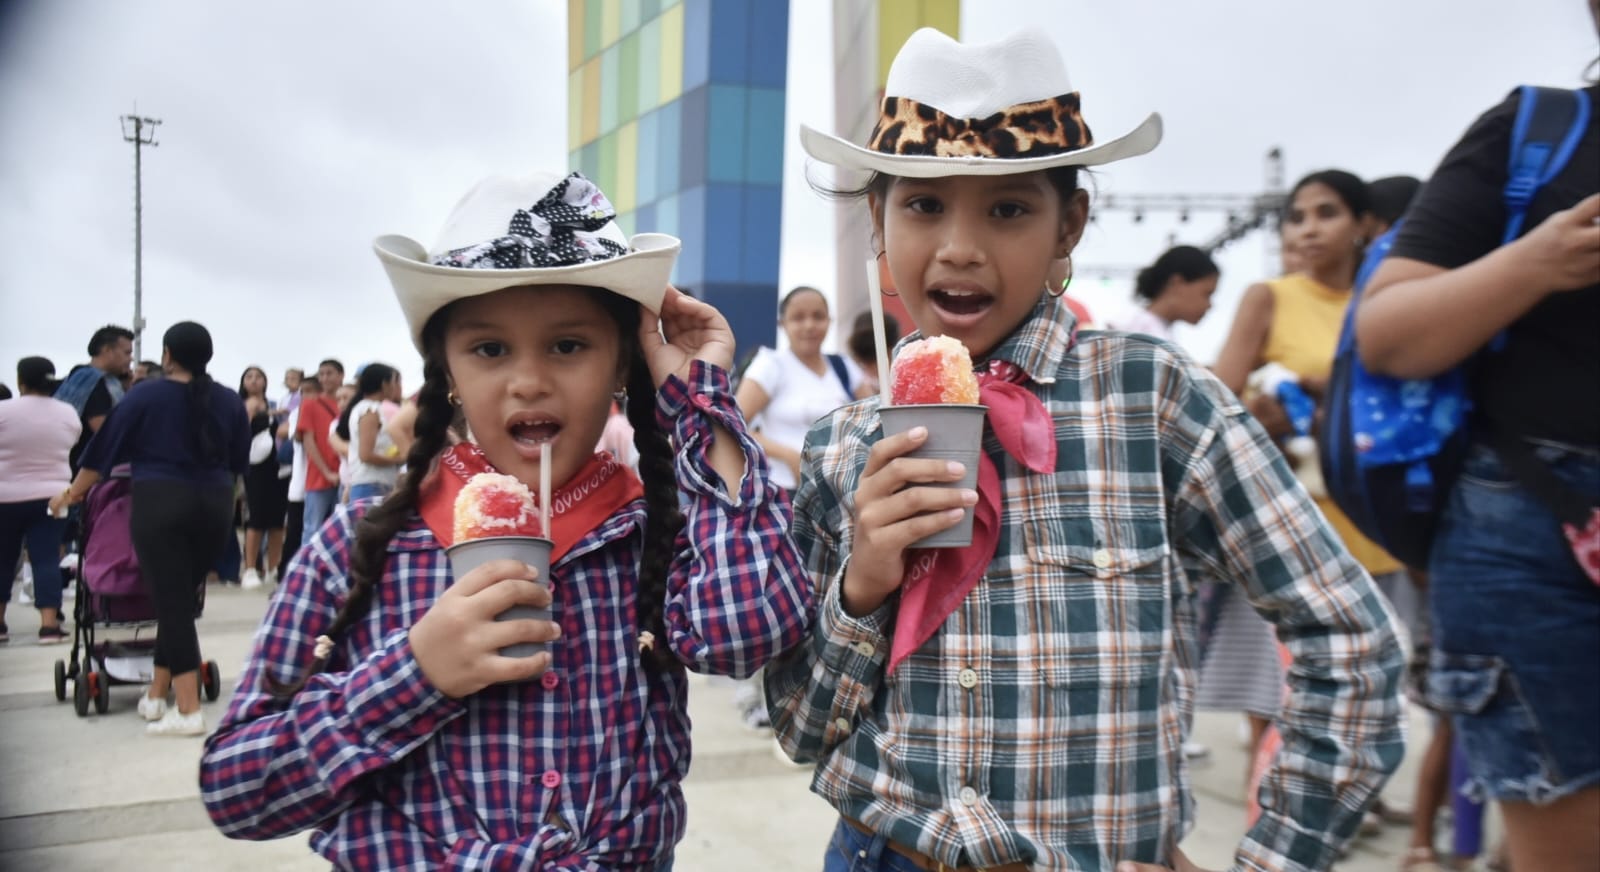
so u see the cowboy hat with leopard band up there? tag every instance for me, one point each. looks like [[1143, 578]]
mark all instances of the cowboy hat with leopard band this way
[[997, 108], [539, 229]]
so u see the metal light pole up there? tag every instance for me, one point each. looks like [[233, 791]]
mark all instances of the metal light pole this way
[[141, 132]]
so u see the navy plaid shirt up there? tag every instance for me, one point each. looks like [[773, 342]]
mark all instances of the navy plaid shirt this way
[[1043, 722], [577, 771]]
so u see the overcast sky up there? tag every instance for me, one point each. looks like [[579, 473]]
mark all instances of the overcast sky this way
[[297, 131]]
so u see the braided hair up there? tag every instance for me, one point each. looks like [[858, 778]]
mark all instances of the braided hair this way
[[663, 518], [436, 414], [380, 523]]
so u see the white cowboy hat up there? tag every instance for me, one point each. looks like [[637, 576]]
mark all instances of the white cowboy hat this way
[[540, 229], [992, 109]]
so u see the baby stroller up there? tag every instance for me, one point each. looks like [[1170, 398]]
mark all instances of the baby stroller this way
[[112, 596]]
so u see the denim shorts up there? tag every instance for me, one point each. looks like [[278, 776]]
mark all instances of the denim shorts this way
[[1516, 657]]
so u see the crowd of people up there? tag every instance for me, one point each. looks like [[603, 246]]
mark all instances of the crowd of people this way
[[1152, 534]]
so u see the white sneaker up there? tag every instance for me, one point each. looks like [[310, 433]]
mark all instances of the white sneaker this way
[[251, 580], [151, 709], [175, 723]]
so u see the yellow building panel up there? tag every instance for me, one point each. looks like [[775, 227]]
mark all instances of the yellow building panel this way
[[574, 34], [610, 21], [591, 101], [898, 19], [625, 190], [574, 109], [672, 54]]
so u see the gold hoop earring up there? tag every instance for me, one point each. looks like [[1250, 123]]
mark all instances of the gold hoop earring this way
[[1066, 283], [454, 400]]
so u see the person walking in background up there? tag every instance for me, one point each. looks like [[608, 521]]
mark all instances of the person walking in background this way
[[294, 516], [37, 434], [373, 459], [318, 415], [1514, 578], [1177, 287], [187, 439], [94, 389], [266, 495]]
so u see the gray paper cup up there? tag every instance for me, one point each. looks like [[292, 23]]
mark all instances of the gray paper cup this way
[[955, 432], [535, 552]]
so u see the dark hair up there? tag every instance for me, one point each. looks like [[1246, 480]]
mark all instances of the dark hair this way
[[1391, 196], [1063, 179], [189, 343], [5, 392], [36, 374], [1184, 260], [783, 305], [333, 363], [107, 336], [246, 374], [861, 343], [372, 379], [435, 413], [152, 369], [1348, 186]]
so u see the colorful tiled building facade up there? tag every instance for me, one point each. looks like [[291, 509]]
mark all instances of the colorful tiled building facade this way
[[676, 108]]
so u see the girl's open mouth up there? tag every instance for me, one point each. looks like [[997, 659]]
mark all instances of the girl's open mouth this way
[[960, 306], [530, 433]]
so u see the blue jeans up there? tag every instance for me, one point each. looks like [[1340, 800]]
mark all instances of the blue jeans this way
[[371, 489], [1516, 645], [319, 505], [29, 523], [850, 850]]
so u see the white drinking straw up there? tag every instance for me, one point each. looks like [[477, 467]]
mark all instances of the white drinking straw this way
[[874, 296], [544, 488]]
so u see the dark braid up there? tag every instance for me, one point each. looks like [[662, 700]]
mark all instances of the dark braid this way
[[379, 525], [663, 518]]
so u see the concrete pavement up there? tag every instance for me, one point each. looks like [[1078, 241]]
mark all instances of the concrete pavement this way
[[97, 793]]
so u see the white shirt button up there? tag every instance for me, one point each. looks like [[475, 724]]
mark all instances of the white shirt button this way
[[866, 649], [967, 678], [969, 796], [1102, 558], [842, 725]]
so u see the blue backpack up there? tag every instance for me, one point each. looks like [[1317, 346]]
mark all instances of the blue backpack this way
[[1391, 448]]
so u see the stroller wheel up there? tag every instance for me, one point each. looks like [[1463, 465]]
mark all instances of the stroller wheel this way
[[212, 679], [101, 685], [80, 695], [61, 681]]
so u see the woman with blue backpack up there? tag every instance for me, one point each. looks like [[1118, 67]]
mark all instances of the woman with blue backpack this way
[[1494, 280]]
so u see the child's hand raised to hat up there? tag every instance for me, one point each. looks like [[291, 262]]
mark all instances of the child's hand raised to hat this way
[[686, 330]]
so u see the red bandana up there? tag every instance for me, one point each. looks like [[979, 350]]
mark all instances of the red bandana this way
[[598, 490], [938, 579]]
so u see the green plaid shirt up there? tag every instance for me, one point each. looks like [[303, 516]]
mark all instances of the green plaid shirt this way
[[1043, 722]]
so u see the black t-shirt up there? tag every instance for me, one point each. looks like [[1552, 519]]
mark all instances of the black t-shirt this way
[[98, 404], [1545, 383]]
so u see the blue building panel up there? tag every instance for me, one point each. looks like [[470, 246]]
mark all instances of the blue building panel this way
[[758, 251], [726, 134], [763, 136], [697, 44], [669, 145], [768, 38], [725, 212], [695, 132], [751, 310], [644, 220], [730, 39], [645, 187], [697, 235]]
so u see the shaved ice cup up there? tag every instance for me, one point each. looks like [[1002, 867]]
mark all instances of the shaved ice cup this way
[[469, 555], [955, 432]]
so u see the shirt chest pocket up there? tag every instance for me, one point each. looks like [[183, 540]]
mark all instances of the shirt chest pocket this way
[[1100, 609]]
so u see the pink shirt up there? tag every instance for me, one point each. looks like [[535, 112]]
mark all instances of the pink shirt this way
[[36, 434]]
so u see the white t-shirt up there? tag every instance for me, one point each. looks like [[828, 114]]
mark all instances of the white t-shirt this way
[[297, 478], [1140, 320], [797, 398], [360, 471]]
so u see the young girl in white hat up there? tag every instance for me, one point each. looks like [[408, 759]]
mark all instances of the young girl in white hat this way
[[1021, 703], [376, 709]]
